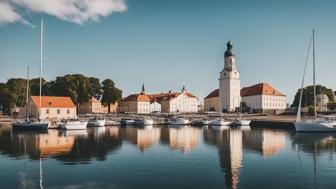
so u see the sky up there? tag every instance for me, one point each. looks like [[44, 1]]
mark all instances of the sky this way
[[170, 43]]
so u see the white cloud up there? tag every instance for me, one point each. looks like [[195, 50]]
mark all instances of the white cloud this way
[[77, 11]]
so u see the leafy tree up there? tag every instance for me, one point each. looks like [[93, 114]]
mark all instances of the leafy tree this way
[[111, 94], [332, 105], [308, 95], [4, 99], [94, 87], [17, 88]]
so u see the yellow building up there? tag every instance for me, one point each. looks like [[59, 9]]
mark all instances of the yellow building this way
[[211, 102], [90, 107], [52, 107]]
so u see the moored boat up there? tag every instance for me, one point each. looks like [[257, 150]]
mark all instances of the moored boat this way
[[72, 124], [219, 122], [200, 122], [125, 122], [98, 121], [143, 121], [178, 121]]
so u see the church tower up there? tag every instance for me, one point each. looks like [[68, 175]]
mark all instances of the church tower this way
[[229, 82]]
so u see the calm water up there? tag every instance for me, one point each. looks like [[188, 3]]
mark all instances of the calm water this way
[[166, 157]]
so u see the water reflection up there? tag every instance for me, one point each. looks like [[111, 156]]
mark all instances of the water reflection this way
[[82, 147]]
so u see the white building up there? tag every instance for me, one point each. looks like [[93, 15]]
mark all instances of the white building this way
[[229, 83], [183, 102], [263, 98], [155, 106]]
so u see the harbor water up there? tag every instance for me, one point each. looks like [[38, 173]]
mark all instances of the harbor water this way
[[167, 157]]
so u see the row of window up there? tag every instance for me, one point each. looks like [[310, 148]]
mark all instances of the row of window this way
[[58, 111]]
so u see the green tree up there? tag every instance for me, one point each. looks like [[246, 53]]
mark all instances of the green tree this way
[[308, 95], [332, 105], [4, 99], [94, 87], [111, 93]]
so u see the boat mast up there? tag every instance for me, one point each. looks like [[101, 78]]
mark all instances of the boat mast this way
[[41, 62], [27, 94], [314, 79]]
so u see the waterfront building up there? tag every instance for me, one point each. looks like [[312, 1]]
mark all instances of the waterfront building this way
[[260, 98], [90, 107], [263, 98], [171, 102], [322, 102], [211, 102], [135, 103], [52, 107], [229, 83]]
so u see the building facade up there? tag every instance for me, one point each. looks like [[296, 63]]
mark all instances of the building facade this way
[[90, 107], [263, 98], [52, 107], [178, 102], [211, 102], [229, 83]]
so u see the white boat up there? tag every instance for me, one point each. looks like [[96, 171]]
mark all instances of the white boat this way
[[200, 122], [178, 121], [36, 124], [112, 123], [72, 124], [143, 121], [318, 124], [242, 122], [98, 121], [219, 122]]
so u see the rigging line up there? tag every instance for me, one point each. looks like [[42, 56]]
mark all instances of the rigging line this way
[[303, 79]]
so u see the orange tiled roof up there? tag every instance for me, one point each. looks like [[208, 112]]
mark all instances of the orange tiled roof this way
[[53, 102], [214, 93], [260, 89], [154, 97], [137, 97]]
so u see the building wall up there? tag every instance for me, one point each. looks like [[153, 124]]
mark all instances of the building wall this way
[[155, 107], [89, 108], [143, 108], [128, 106], [211, 104], [182, 104], [266, 103]]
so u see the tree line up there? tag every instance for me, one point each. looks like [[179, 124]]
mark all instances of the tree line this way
[[77, 86], [308, 96]]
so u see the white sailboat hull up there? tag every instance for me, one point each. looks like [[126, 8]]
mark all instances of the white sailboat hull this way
[[179, 122], [97, 123], [78, 125], [315, 126], [244, 122], [219, 122]]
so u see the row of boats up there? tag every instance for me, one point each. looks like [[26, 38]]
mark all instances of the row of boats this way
[[184, 121]]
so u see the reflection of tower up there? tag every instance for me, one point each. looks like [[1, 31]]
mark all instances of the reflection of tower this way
[[265, 141], [229, 82], [184, 138], [230, 147]]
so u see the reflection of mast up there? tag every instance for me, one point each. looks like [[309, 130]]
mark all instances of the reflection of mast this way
[[41, 174]]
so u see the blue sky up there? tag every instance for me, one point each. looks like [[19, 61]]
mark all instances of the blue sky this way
[[168, 44]]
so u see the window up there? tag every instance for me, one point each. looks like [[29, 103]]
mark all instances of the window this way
[[58, 111], [47, 111], [68, 111]]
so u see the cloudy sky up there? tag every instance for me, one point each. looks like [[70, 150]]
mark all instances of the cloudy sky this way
[[169, 43]]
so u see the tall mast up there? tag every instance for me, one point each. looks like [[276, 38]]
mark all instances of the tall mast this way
[[27, 94], [41, 62], [314, 79]]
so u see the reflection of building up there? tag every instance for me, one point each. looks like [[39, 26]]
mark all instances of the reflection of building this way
[[54, 144], [51, 107], [230, 146], [144, 137], [184, 138], [267, 142]]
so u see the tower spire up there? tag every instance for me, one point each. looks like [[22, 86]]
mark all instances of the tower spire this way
[[143, 88]]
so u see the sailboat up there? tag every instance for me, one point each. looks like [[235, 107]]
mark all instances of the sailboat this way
[[318, 124], [241, 121], [33, 124]]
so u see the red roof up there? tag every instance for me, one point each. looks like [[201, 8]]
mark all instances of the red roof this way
[[214, 93], [154, 97], [137, 97], [53, 102], [260, 89]]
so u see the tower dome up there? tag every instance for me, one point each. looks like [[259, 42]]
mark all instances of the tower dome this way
[[229, 50]]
